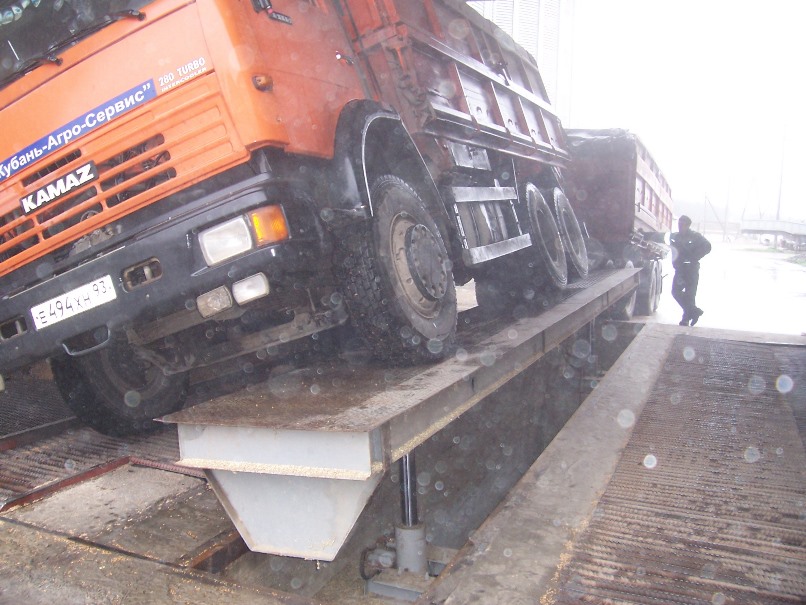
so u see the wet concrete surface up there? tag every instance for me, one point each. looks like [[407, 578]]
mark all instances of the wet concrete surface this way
[[743, 286]]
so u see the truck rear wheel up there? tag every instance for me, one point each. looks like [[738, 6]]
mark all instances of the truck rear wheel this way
[[624, 309], [117, 392], [571, 235], [647, 298], [548, 254], [398, 278], [659, 288]]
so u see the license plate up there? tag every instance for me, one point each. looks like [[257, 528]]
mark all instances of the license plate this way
[[74, 302]]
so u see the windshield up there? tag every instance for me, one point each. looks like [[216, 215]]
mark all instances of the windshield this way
[[34, 32]]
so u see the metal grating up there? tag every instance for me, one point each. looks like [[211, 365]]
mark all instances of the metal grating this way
[[708, 503], [61, 458], [27, 403]]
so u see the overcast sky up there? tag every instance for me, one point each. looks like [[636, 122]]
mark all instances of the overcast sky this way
[[715, 88]]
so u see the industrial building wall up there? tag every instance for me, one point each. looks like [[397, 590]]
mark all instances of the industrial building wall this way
[[545, 29]]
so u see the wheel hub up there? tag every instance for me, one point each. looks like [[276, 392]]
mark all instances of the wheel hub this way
[[426, 262]]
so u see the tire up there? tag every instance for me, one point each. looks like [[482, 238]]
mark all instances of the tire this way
[[659, 288], [646, 302], [571, 234], [116, 392], [397, 278], [624, 309], [547, 260]]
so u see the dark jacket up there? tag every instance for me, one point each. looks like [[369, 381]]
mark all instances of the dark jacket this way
[[688, 248]]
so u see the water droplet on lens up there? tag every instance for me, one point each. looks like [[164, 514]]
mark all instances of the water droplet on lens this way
[[132, 399], [487, 358], [435, 346], [756, 385], [316, 389], [751, 455], [784, 384], [609, 332], [581, 349], [650, 461], [625, 419], [689, 353]]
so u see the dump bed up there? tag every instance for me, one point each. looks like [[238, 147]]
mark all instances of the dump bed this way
[[615, 186], [451, 73]]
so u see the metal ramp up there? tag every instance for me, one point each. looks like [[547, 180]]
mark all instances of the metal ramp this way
[[295, 459], [680, 479]]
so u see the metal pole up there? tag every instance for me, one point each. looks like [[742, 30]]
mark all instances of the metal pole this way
[[408, 490], [780, 187]]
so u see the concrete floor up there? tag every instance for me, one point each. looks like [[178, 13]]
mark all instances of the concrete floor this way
[[740, 288]]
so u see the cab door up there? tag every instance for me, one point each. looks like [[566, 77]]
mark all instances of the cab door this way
[[312, 67]]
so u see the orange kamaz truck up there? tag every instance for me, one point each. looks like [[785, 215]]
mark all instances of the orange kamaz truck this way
[[187, 181]]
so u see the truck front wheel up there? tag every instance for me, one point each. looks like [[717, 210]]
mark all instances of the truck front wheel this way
[[398, 277], [117, 392]]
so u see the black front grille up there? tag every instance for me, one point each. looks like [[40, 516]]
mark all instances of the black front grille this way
[[52, 167]]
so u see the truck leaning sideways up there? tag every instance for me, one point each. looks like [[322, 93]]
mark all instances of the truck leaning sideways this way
[[187, 181]]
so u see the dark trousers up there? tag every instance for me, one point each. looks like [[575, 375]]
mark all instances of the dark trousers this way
[[684, 287]]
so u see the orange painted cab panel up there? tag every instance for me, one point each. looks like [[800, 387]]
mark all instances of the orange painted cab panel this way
[[211, 82]]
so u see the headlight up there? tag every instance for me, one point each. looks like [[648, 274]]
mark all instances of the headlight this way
[[226, 240], [260, 227]]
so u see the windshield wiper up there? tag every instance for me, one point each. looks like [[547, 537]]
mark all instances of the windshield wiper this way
[[51, 57], [30, 65]]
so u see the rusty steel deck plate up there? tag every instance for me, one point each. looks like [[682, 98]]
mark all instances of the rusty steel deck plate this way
[[345, 396], [708, 502]]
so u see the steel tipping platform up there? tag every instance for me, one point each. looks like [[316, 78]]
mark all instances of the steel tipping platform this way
[[294, 461], [680, 479]]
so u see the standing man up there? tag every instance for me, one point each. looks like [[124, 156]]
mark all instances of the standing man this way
[[688, 247]]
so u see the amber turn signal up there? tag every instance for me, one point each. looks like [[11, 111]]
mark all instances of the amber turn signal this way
[[269, 225]]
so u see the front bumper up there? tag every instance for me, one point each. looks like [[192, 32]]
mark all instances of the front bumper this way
[[171, 240]]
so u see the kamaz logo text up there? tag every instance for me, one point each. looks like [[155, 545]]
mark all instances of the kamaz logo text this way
[[60, 187]]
